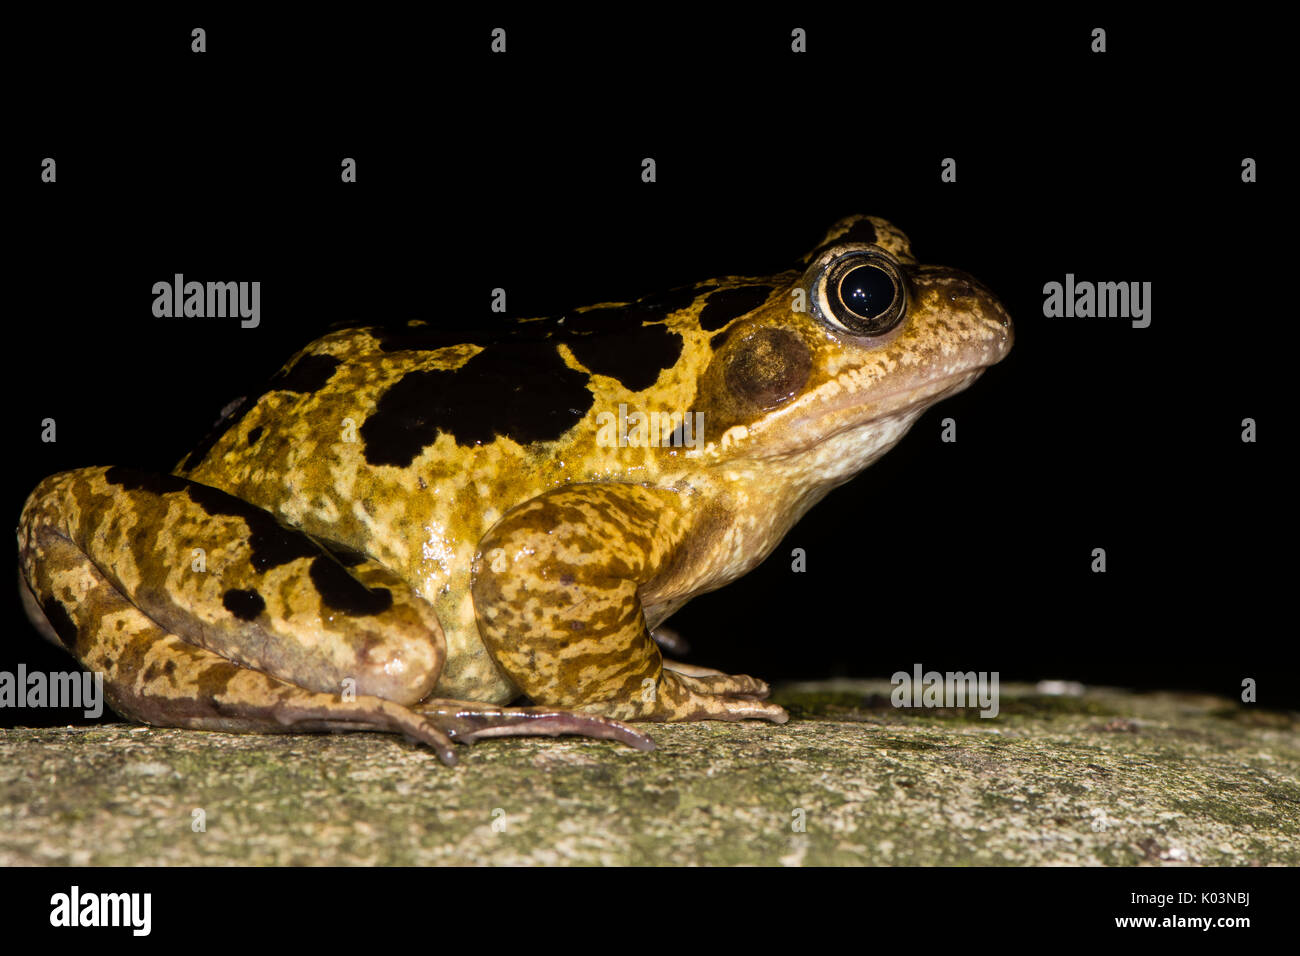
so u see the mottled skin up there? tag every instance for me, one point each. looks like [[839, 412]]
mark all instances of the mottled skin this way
[[411, 527]]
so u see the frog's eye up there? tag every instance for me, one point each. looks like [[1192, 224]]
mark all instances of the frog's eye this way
[[862, 293]]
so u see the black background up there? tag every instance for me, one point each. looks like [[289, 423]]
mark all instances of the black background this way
[[523, 171]]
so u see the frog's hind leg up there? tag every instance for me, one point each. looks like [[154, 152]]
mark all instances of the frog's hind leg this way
[[233, 579], [203, 611], [155, 677], [468, 721]]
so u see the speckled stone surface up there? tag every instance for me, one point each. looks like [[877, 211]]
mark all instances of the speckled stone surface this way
[[1103, 778]]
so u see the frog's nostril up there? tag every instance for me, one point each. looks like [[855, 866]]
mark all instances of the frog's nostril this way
[[960, 289], [1008, 332]]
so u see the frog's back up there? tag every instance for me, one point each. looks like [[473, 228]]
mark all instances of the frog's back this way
[[412, 440]]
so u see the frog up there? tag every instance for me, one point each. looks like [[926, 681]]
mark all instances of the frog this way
[[431, 530]]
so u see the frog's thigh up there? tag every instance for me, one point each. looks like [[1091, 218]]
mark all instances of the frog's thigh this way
[[155, 677], [230, 578], [556, 591]]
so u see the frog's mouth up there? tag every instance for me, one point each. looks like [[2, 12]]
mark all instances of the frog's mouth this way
[[836, 419], [894, 411]]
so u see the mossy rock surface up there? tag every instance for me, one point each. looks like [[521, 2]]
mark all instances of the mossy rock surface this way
[[1103, 778]]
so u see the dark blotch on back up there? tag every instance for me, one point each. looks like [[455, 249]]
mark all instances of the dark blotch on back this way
[[628, 351], [727, 304], [613, 341], [652, 308], [522, 392], [344, 555], [245, 605], [420, 337], [153, 482], [271, 544], [342, 592], [308, 374], [628, 342], [61, 622], [720, 339]]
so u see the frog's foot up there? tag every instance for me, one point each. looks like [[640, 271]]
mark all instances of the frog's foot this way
[[468, 721], [681, 697]]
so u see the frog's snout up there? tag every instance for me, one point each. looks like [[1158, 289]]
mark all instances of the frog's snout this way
[[982, 320], [996, 314]]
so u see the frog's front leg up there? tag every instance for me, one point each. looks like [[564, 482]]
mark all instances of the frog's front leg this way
[[557, 590]]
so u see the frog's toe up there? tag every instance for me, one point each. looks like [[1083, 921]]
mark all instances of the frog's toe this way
[[731, 708], [706, 681], [678, 697], [691, 670], [466, 722]]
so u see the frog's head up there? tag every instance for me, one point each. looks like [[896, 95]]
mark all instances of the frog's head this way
[[829, 372]]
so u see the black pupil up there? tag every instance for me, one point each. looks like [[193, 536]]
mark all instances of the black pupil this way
[[867, 290]]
